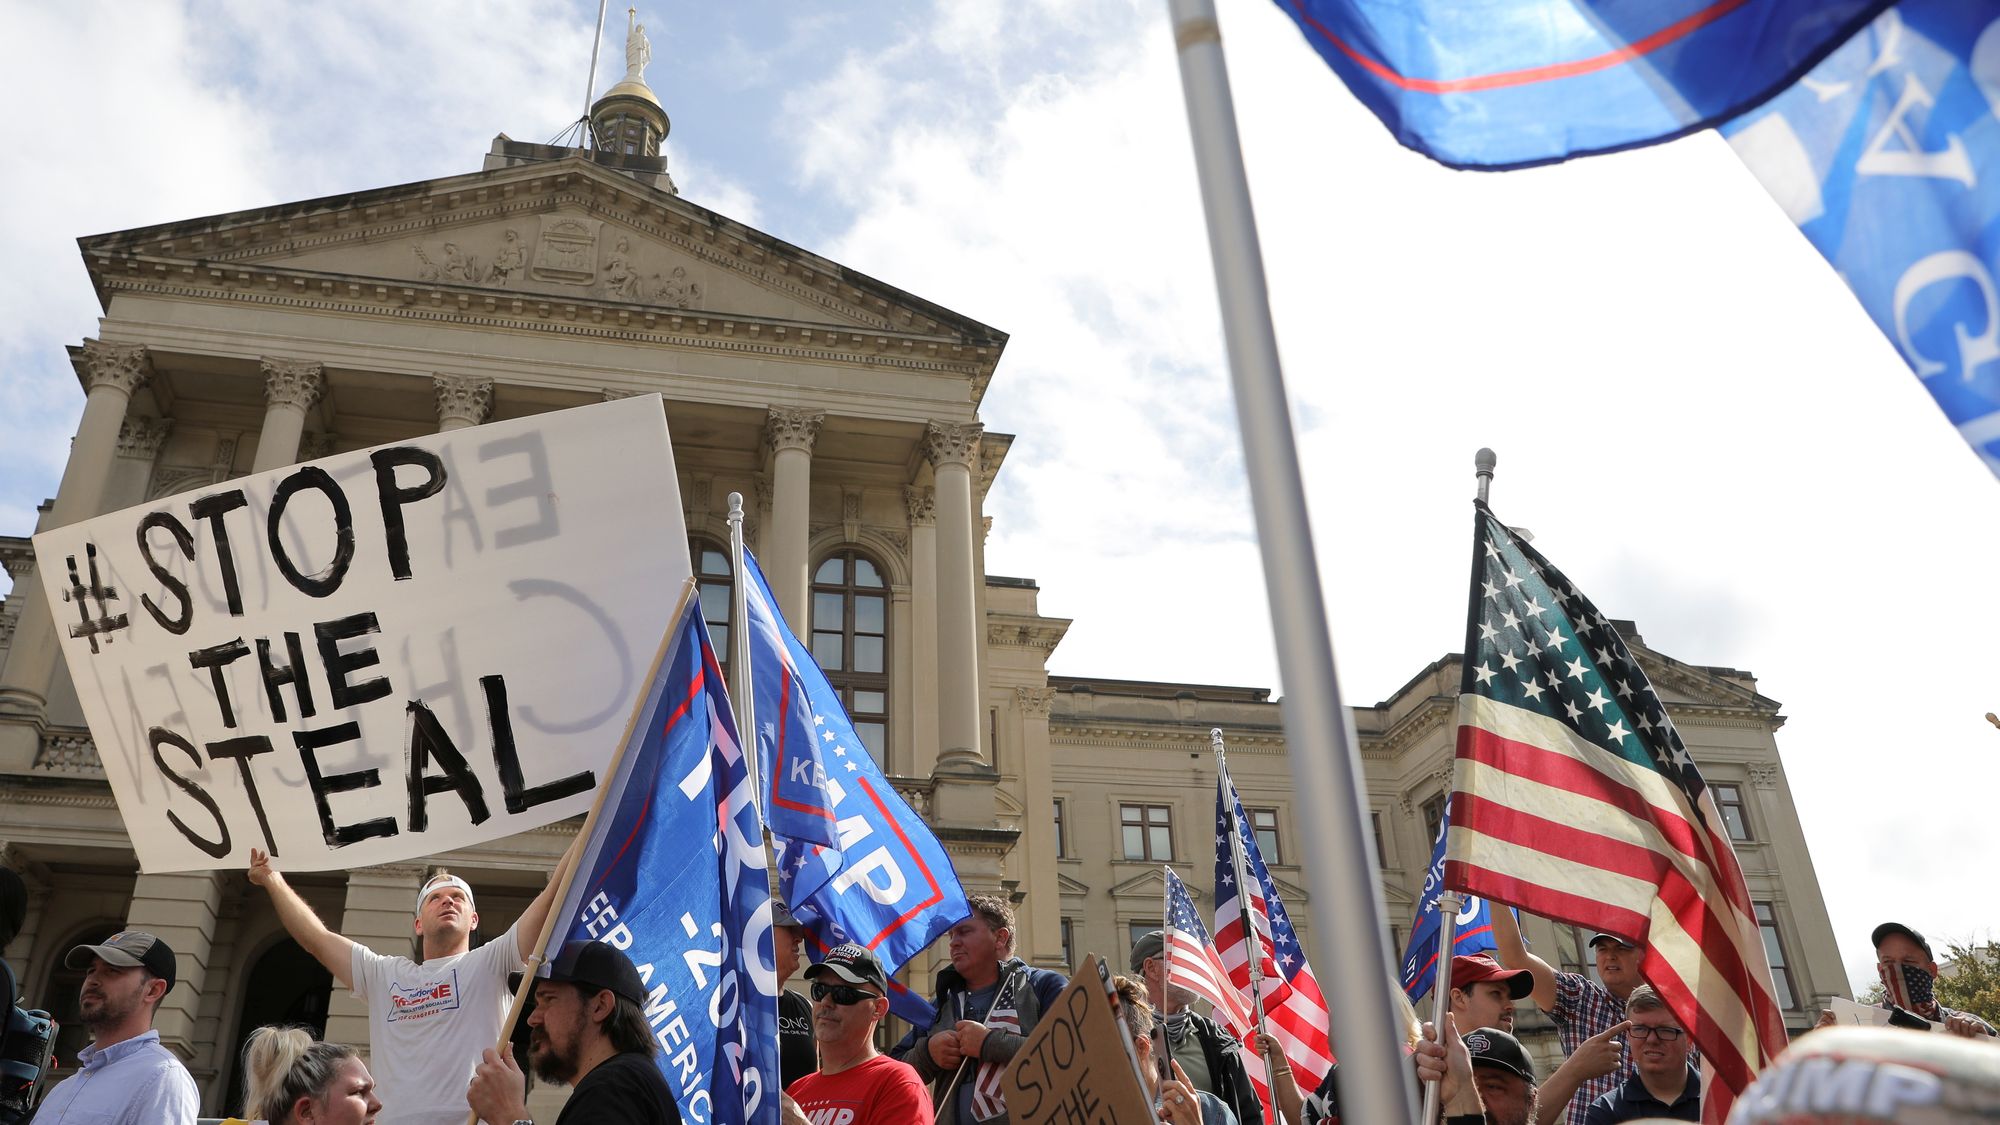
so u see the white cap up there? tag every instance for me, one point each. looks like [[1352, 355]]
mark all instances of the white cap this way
[[443, 880]]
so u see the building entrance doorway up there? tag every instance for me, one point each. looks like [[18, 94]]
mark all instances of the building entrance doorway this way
[[285, 987]]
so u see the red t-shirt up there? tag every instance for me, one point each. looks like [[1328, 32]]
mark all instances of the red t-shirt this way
[[881, 1091]]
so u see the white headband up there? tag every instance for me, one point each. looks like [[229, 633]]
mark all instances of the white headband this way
[[437, 881]]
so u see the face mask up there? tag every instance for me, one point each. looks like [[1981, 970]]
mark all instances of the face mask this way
[[1908, 986]]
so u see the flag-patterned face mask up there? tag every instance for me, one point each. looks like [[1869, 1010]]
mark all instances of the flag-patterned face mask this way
[[1908, 986]]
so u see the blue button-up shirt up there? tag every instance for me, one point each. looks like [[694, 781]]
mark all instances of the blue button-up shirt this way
[[137, 1081]]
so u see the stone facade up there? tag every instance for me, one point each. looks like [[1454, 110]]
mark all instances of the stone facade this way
[[844, 410]]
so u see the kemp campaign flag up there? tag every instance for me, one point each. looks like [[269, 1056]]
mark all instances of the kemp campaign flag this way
[[1574, 797], [1473, 932], [885, 881], [1888, 158], [1294, 1009], [1508, 83], [673, 874]]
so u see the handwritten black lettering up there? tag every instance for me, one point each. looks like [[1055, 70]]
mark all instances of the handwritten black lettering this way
[[213, 508], [278, 675], [429, 742], [240, 751], [215, 658], [393, 497], [309, 743], [178, 624], [339, 665], [324, 582], [216, 849], [518, 797]]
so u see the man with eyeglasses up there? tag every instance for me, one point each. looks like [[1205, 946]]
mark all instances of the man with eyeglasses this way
[[854, 1084], [1663, 1086]]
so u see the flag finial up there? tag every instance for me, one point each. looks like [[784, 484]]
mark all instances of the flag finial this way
[[1482, 467]]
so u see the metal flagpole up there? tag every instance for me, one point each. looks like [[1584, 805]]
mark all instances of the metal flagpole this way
[[1449, 903], [1253, 938], [590, 86], [742, 695], [1345, 882]]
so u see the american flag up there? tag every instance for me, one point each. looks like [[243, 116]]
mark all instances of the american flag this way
[[1574, 797], [1294, 1010], [1193, 964]]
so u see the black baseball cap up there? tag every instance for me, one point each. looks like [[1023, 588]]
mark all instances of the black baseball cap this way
[[852, 963], [597, 965], [1490, 1046], [1149, 945], [127, 949], [1887, 928], [1595, 938]]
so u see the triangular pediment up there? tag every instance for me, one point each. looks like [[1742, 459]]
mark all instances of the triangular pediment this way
[[1151, 884], [1068, 886], [1678, 685], [567, 232]]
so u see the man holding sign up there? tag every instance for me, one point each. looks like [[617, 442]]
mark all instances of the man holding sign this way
[[428, 1021]]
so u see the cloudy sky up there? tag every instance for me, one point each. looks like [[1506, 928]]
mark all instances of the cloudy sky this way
[[1692, 415]]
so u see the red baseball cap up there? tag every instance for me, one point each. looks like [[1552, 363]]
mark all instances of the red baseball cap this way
[[1478, 968]]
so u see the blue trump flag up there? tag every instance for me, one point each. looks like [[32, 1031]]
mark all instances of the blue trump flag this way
[[1473, 935], [884, 881], [1888, 158], [695, 919], [1499, 84]]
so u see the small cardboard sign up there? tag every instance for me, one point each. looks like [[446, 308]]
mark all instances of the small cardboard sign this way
[[1073, 1068]]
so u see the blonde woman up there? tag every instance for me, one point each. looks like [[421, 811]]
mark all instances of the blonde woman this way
[[295, 1079]]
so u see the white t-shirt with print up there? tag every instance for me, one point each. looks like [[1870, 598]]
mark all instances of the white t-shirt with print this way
[[428, 1023]]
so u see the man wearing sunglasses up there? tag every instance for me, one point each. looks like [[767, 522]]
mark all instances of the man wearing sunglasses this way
[[854, 1084], [1663, 1086]]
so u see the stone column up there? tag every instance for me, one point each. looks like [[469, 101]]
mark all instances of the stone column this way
[[181, 910], [922, 504], [291, 387], [112, 373], [462, 401], [791, 434], [950, 449], [380, 912], [1043, 903]]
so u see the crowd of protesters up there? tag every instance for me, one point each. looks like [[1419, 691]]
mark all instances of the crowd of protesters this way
[[434, 1021]]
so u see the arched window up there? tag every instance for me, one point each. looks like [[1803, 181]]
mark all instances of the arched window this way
[[714, 586], [850, 640]]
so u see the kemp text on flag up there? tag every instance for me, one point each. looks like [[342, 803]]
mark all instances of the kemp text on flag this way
[[673, 873], [1574, 797], [1523, 82], [884, 880], [1294, 1009]]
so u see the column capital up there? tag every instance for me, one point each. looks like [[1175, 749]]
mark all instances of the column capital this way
[[787, 428], [292, 382], [946, 443], [1034, 701], [315, 444], [922, 504], [124, 366], [141, 437], [464, 399]]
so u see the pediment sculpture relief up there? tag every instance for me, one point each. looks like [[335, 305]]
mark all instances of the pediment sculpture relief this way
[[566, 251]]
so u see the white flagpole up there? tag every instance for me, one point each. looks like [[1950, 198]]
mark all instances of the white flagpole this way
[[1344, 879], [1449, 903], [742, 695]]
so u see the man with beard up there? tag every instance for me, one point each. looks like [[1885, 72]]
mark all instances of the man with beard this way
[[854, 1085], [126, 1076], [587, 1031], [429, 1017]]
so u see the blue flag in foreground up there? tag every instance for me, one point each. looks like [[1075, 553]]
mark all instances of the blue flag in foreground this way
[[695, 919], [1473, 935], [1509, 83], [1888, 158], [886, 882]]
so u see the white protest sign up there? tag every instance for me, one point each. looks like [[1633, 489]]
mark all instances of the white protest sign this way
[[377, 655]]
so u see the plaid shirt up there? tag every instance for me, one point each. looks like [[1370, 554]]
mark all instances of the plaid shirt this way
[[1583, 1009]]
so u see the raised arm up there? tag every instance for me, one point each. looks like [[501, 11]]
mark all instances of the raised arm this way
[[328, 948], [1595, 1057], [529, 929], [1513, 953]]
